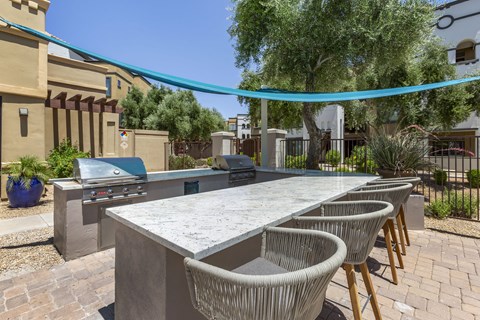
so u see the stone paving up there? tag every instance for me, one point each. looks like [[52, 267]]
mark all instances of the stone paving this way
[[441, 280]]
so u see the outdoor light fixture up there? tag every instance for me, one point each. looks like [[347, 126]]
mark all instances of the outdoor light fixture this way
[[23, 112]]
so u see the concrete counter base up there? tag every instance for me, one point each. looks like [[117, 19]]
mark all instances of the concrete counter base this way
[[150, 280]]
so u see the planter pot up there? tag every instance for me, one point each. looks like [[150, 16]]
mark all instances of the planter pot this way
[[386, 173], [19, 197]]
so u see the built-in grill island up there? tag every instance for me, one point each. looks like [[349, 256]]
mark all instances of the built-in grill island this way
[[240, 167], [81, 226], [110, 179]]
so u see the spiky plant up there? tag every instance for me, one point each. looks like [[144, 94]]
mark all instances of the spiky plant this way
[[27, 168], [403, 151]]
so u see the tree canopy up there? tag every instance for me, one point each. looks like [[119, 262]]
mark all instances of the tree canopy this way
[[177, 112], [327, 45]]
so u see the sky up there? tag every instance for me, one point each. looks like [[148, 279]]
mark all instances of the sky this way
[[185, 38]]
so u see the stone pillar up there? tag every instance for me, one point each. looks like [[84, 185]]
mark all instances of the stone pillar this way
[[415, 212], [275, 157], [222, 143]]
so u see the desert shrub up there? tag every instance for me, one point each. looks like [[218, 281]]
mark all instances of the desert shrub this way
[[342, 169], [462, 205], [201, 162], [61, 158], [181, 162], [440, 176], [296, 162], [454, 203], [439, 208], [333, 157], [473, 177], [209, 161]]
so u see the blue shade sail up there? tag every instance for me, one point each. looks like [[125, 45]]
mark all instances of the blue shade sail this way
[[261, 94]]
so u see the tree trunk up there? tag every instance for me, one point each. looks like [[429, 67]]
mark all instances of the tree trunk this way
[[315, 147]]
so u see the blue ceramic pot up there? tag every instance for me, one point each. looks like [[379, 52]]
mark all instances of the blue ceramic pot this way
[[18, 196]]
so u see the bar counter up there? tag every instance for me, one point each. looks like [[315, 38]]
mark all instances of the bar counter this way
[[221, 227]]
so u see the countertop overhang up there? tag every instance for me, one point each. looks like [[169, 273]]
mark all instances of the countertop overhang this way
[[202, 224]]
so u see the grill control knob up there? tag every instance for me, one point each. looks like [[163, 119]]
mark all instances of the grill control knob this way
[[110, 192], [93, 195], [125, 191], [139, 189]]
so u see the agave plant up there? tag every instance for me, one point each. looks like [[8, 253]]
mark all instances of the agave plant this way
[[404, 151], [26, 169]]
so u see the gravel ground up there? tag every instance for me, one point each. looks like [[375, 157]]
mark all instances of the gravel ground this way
[[25, 252], [457, 226], [45, 206]]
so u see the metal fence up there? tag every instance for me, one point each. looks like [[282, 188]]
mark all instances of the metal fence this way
[[453, 182]]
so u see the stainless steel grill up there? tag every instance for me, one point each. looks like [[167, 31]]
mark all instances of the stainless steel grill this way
[[110, 179], [241, 167]]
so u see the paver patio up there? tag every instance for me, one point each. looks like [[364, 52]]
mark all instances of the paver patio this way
[[441, 280]]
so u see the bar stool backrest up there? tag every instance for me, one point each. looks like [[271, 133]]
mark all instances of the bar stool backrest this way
[[357, 223], [394, 193]]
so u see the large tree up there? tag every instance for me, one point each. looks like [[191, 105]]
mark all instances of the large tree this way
[[434, 109], [184, 118], [137, 106], [320, 45]]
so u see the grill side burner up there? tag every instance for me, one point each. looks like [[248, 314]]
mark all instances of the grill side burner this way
[[241, 167], [110, 179]]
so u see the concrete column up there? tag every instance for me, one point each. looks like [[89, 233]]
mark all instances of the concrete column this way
[[222, 143], [274, 151]]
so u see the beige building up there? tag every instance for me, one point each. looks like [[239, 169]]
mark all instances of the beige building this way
[[49, 93]]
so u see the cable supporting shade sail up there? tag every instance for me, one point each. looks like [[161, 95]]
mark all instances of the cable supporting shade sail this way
[[261, 94]]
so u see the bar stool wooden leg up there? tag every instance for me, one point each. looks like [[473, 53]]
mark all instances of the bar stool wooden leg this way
[[395, 241], [402, 216], [370, 290], [388, 241], [353, 290], [401, 234]]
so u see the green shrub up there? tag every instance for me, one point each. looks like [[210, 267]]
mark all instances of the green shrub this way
[[209, 161], [473, 177], [462, 205], [181, 162], [357, 159], [454, 203], [61, 159], [333, 157], [296, 162], [440, 176], [201, 162], [440, 209]]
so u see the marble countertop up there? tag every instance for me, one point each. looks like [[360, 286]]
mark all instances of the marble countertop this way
[[202, 224]]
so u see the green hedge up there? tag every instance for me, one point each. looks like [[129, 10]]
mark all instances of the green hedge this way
[[440, 177], [296, 162], [181, 162], [61, 158]]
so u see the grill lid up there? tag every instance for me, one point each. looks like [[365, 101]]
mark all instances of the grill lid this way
[[233, 163], [108, 170]]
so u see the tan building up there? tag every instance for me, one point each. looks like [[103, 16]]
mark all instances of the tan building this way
[[49, 93]]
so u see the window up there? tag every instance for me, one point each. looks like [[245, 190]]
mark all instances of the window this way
[[232, 127], [109, 87], [248, 125], [248, 136], [129, 88], [243, 135], [119, 84], [243, 126], [465, 51]]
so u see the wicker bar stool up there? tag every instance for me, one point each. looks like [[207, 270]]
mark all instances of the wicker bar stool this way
[[395, 194], [288, 281], [414, 181], [357, 223]]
